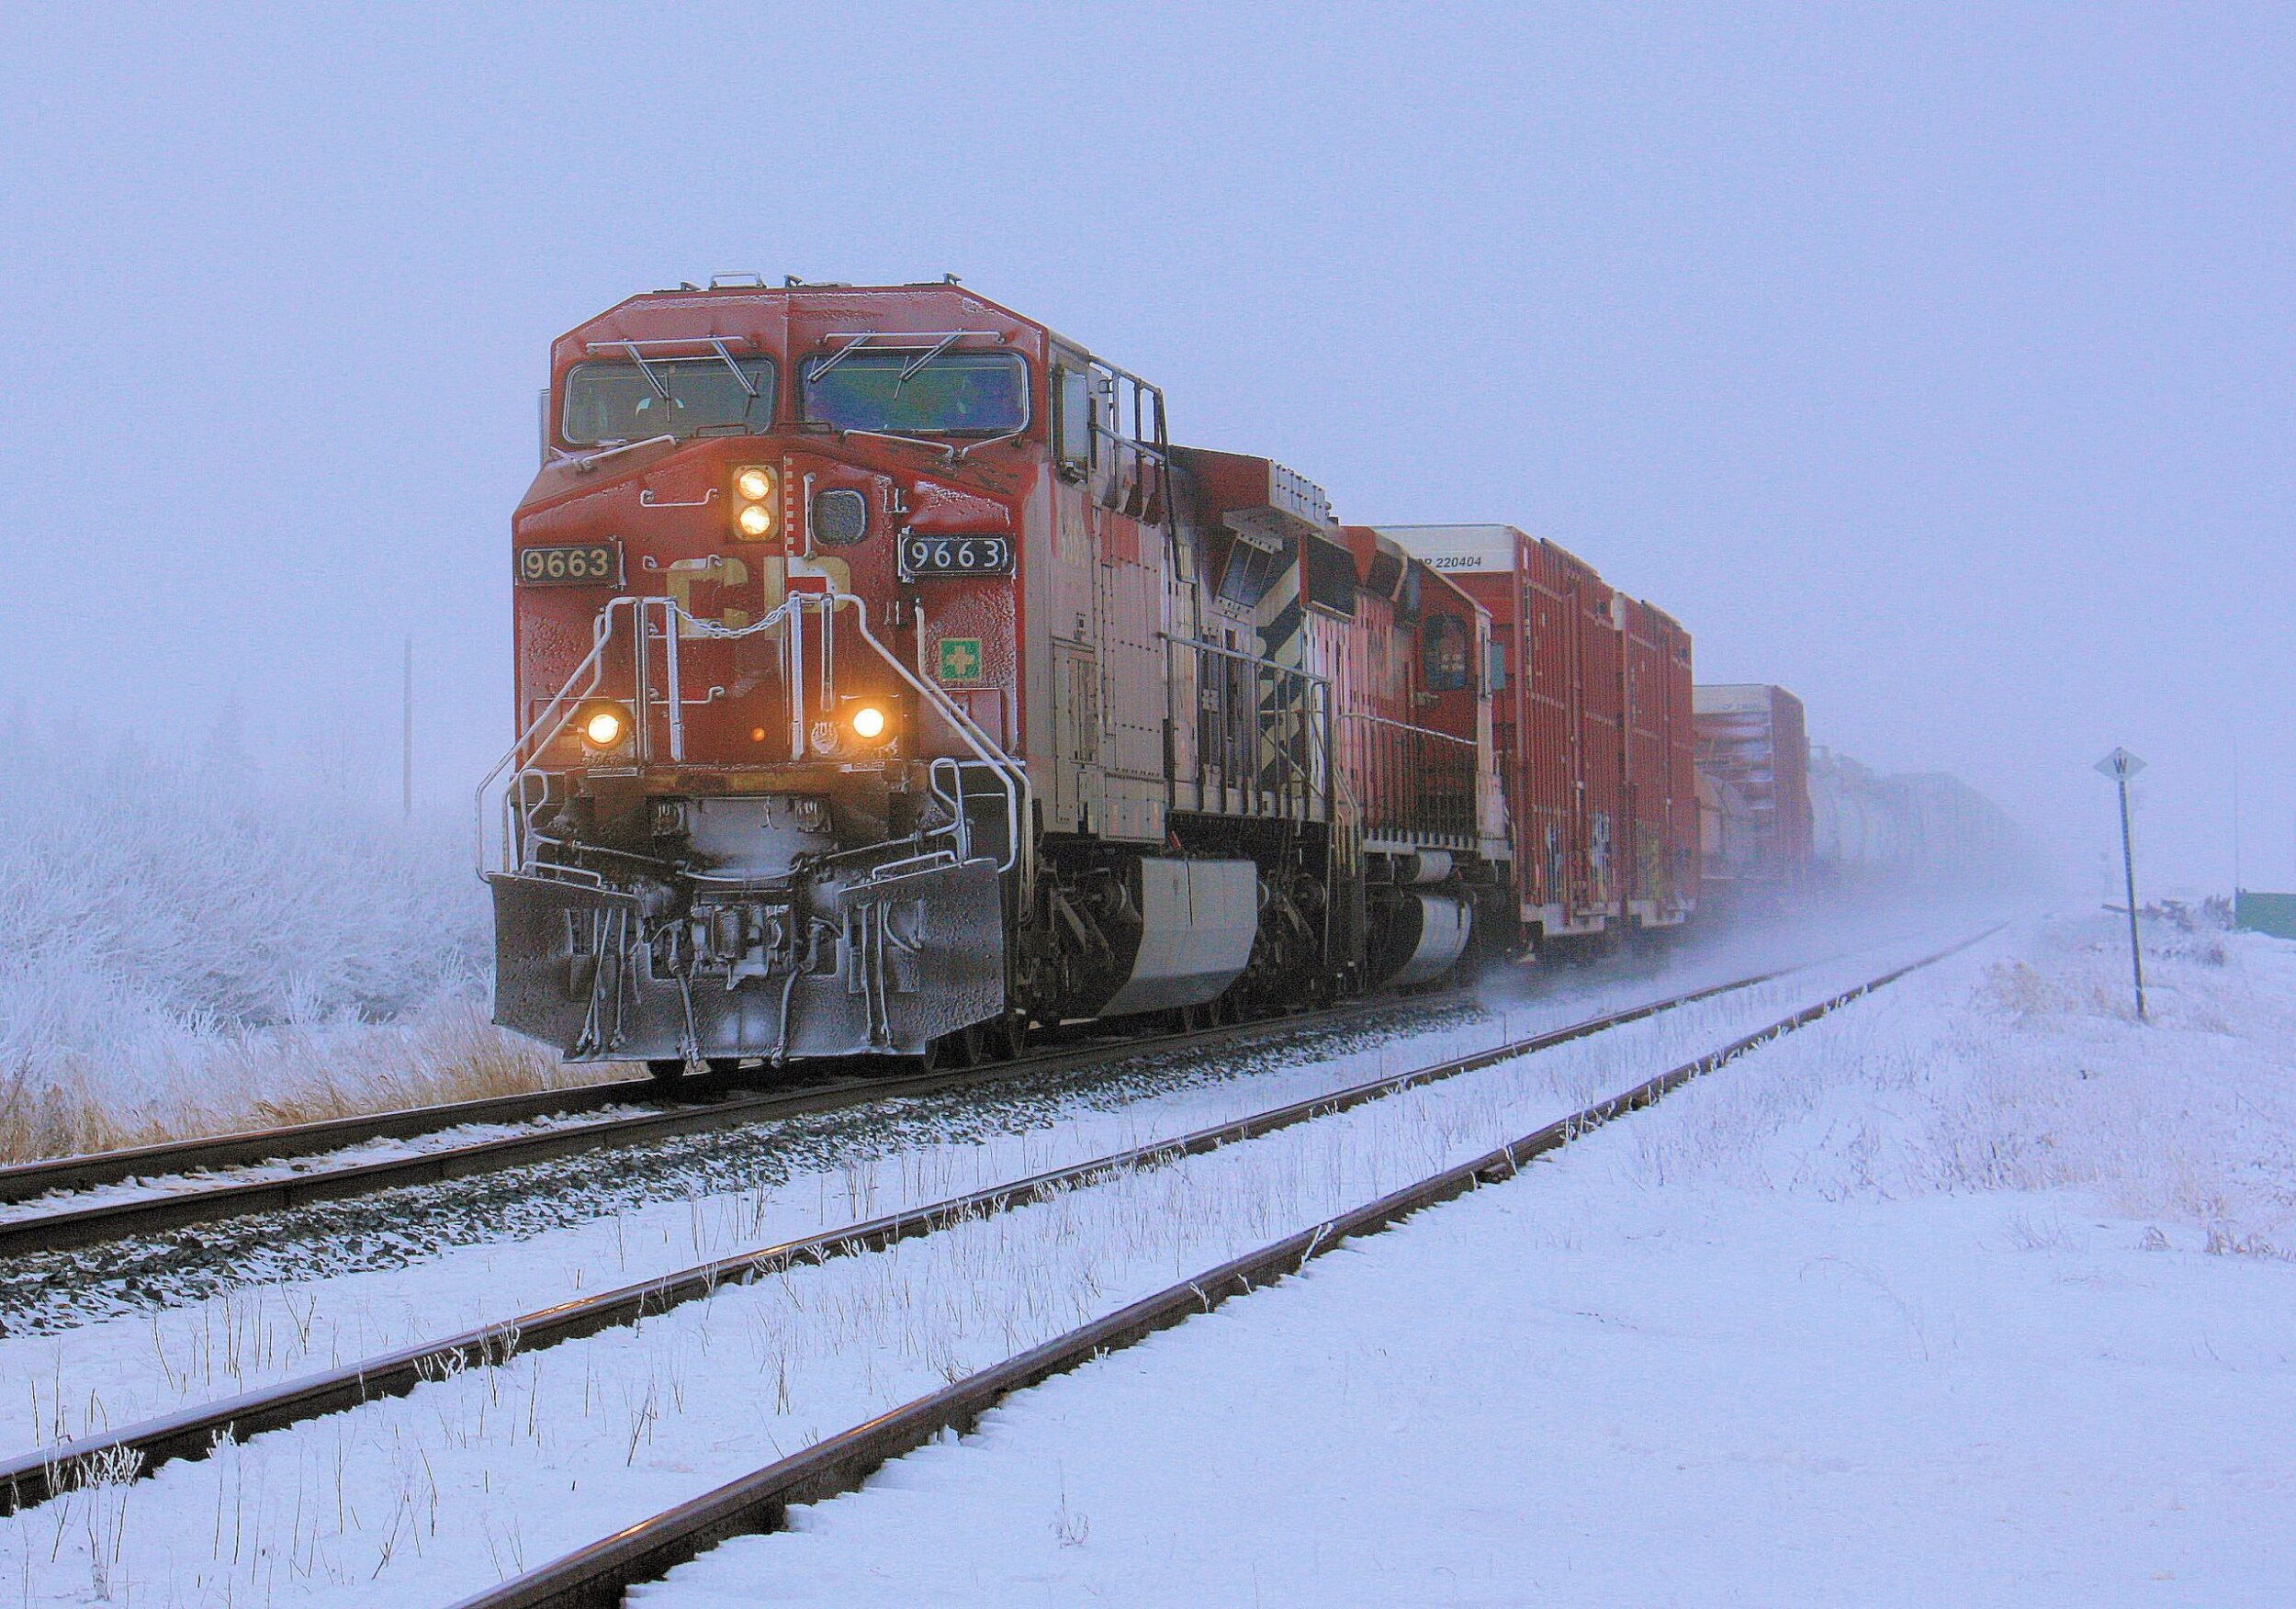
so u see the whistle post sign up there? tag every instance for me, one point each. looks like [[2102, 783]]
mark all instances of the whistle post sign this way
[[2121, 765]]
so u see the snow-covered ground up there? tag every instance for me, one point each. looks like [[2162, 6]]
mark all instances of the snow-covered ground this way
[[301, 1317], [417, 1501], [1978, 1292]]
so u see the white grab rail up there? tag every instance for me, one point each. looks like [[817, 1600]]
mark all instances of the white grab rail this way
[[520, 840]]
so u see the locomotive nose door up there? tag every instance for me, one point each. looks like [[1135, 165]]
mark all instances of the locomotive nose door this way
[[1075, 734]]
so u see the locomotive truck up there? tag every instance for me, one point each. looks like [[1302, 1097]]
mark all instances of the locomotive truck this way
[[888, 682]]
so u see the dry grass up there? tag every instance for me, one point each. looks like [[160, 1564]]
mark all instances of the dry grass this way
[[194, 946], [225, 1084], [2016, 989]]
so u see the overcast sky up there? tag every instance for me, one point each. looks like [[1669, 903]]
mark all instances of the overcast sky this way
[[1933, 362]]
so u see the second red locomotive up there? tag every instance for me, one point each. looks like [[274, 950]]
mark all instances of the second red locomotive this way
[[888, 681]]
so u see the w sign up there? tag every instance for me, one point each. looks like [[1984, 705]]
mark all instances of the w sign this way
[[2121, 765]]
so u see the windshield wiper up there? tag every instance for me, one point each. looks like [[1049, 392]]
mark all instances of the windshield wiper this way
[[583, 463], [947, 449], [946, 342]]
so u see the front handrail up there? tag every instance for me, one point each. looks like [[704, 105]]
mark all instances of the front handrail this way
[[531, 740], [1019, 799], [520, 837]]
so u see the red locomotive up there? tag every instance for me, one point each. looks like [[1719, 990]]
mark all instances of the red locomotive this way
[[889, 683]]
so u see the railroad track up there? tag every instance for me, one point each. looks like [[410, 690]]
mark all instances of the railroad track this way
[[71, 1226], [35, 1477], [26, 1180], [596, 1576]]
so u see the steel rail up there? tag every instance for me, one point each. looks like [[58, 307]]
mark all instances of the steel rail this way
[[35, 1477], [113, 1221], [595, 1577], [22, 1181]]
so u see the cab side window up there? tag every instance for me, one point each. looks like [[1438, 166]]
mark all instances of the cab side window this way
[[1443, 647]]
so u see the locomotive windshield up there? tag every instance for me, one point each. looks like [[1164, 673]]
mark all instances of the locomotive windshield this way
[[608, 402], [950, 393]]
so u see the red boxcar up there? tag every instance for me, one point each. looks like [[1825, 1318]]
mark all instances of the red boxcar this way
[[1660, 803], [1592, 733]]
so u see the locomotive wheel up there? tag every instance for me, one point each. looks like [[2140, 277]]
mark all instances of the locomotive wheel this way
[[955, 1051], [1003, 1037], [667, 1069]]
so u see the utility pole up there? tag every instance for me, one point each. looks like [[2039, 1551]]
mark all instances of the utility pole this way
[[2235, 821], [2121, 765], [406, 731]]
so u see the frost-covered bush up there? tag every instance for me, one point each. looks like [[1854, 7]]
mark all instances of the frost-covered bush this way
[[174, 923]]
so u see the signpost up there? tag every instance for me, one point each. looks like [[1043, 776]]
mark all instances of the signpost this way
[[2121, 765], [406, 733]]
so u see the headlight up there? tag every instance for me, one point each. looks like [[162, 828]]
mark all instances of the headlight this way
[[869, 723], [753, 490], [604, 726]]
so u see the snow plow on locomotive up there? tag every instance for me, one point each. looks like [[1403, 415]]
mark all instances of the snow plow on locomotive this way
[[888, 682]]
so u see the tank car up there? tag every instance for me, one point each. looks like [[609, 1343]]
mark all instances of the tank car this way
[[888, 682], [1753, 748]]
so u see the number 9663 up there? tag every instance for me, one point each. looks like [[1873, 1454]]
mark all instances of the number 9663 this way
[[956, 556], [590, 564]]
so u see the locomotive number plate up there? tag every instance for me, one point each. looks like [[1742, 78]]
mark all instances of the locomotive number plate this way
[[580, 564], [955, 555]]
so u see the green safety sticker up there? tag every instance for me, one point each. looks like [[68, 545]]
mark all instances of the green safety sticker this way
[[960, 659]]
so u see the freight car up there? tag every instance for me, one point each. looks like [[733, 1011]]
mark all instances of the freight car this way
[[1591, 735], [888, 681], [1753, 752], [1923, 830]]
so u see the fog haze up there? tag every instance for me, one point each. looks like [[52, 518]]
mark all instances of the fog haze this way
[[1935, 365]]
